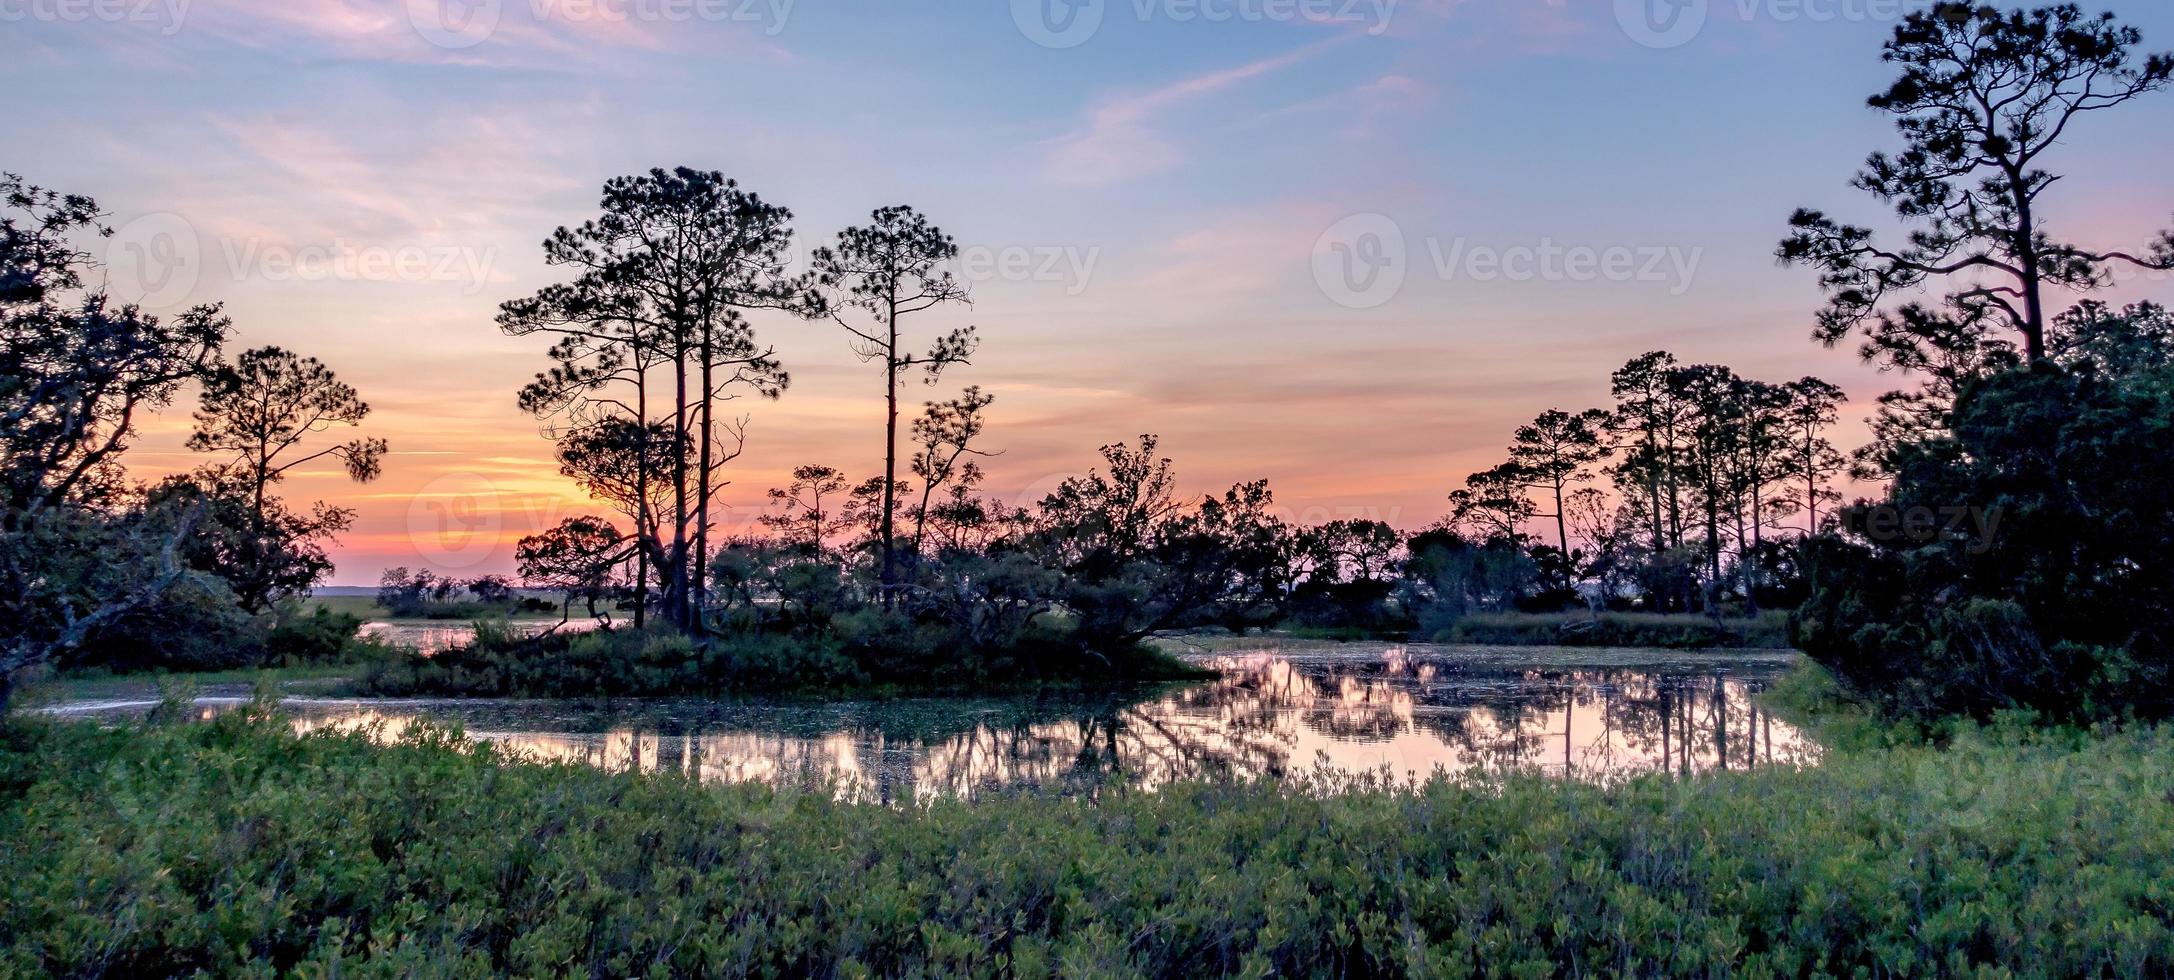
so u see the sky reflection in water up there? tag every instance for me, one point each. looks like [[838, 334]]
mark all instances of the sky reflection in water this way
[[1280, 709]]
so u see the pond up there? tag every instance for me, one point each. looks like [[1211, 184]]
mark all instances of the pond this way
[[431, 636], [1281, 709]]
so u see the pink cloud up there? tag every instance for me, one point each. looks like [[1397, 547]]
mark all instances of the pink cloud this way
[[492, 33]]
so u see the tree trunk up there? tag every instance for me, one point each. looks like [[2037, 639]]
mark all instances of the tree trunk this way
[[642, 518], [1562, 535], [890, 443], [702, 499], [676, 580]]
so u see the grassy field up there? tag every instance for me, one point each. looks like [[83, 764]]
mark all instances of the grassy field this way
[[236, 847]]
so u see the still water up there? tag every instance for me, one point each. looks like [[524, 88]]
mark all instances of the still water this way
[[433, 636], [1280, 710]]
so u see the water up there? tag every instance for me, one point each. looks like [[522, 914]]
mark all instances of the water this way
[[433, 636], [1280, 709]]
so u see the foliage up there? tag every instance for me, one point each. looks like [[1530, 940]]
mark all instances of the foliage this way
[[1619, 629], [79, 370], [652, 337], [1982, 98], [182, 575], [2018, 560], [889, 269], [260, 412], [865, 650], [423, 594], [580, 557], [205, 847]]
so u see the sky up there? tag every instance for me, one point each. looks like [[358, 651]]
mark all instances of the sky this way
[[1344, 245]]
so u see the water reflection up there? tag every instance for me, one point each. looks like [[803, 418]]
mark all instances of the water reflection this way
[[1409, 710], [432, 637]]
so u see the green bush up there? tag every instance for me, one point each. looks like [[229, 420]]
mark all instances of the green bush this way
[[236, 847], [315, 636], [1668, 631], [860, 651], [2018, 558], [500, 662]]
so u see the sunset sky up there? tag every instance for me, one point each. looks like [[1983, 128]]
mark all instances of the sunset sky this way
[[1162, 205]]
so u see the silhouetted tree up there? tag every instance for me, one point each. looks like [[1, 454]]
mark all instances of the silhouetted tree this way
[[945, 457], [663, 278], [1983, 96], [1809, 408], [1650, 416], [78, 372], [262, 411], [1552, 455], [807, 519], [1493, 504], [1712, 395], [890, 269], [580, 558]]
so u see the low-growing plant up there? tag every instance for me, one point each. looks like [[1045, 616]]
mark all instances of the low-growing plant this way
[[236, 847]]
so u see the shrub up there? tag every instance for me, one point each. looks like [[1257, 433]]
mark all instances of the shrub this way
[[317, 636], [207, 848], [195, 625], [1666, 631], [2018, 560]]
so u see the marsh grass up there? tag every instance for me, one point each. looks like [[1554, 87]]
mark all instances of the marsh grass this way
[[235, 846]]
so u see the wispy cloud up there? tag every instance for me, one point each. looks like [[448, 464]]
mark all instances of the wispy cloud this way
[[526, 34], [1123, 138]]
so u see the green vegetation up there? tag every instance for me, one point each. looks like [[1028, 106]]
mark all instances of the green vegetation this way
[[330, 679], [199, 571], [359, 606], [211, 846], [656, 661], [1674, 632], [2018, 556]]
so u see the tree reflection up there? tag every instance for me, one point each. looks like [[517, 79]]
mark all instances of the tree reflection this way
[[1273, 713]]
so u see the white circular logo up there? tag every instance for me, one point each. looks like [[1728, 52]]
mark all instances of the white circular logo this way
[[1057, 24], [155, 260], [1360, 261], [1661, 23], [454, 24], [453, 521]]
